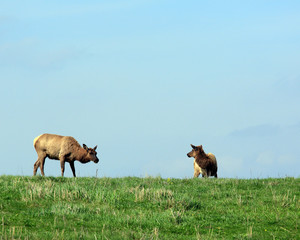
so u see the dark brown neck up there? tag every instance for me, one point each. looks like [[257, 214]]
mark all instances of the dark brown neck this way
[[202, 160], [202, 153], [83, 156]]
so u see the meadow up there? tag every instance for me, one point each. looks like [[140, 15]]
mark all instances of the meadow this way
[[148, 208]]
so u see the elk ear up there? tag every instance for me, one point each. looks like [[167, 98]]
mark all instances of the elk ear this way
[[95, 147], [193, 146], [85, 146]]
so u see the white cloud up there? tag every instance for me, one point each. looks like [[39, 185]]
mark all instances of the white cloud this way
[[179, 168], [229, 166], [265, 158], [263, 130], [287, 159]]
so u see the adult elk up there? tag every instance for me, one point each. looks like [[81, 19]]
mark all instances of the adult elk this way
[[203, 163], [62, 148]]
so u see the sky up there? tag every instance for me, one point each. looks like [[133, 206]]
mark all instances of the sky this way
[[144, 79]]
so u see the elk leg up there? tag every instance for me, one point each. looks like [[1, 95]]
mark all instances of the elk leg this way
[[197, 170], [37, 164], [62, 165], [42, 163], [204, 173], [73, 168], [35, 167], [196, 174]]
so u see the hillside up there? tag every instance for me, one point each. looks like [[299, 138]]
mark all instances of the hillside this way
[[148, 208]]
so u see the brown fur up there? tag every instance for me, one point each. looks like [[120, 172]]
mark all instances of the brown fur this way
[[64, 149], [206, 164]]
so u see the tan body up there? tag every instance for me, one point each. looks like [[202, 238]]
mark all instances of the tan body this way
[[62, 148], [205, 164]]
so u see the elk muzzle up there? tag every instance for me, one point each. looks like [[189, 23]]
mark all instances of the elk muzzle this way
[[96, 160]]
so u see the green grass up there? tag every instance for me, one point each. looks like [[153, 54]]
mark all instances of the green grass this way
[[148, 208]]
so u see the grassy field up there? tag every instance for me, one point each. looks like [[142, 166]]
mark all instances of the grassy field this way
[[148, 208]]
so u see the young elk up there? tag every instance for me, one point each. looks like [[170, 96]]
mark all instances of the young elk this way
[[64, 149], [206, 164]]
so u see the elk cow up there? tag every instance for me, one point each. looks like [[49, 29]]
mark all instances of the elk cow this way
[[62, 148], [206, 164]]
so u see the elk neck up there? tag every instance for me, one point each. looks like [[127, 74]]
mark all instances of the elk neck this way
[[82, 156], [202, 154]]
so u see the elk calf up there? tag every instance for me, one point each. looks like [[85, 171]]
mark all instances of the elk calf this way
[[206, 164], [64, 149]]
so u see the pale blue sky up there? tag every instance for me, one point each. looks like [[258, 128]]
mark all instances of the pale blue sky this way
[[145, 79]]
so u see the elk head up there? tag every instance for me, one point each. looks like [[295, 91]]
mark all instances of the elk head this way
[[195, 151], [91, 153]]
